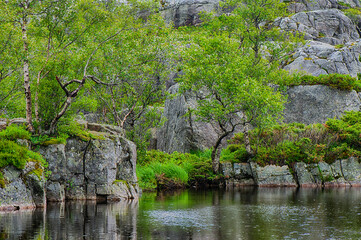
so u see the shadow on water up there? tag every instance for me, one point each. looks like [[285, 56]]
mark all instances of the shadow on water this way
[[247, 213]]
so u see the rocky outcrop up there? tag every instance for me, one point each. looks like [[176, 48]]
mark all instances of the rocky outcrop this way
[[99, 168], [272, 176], [181, 132], [186, 12], [102, 168], [316, 58], [307, 5], [341, 173], [23, 189], [315, 104], [330, 26]]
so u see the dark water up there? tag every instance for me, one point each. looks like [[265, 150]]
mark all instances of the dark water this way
[[211, 214]]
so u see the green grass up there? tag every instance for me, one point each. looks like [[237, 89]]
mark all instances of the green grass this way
[[337, 81], [289, 143], [16, 155], [14, 132], [179, 168]]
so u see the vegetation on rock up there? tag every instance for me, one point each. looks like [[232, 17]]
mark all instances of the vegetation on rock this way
[[288, 143], [160, 170], [337, 81]]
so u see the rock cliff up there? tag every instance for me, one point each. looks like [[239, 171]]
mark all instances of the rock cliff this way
[[102, 168], [99, 168], [333, 46], [341, 173]]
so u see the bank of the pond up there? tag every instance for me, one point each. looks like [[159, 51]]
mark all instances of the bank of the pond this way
[[88, 162], [290, 155]]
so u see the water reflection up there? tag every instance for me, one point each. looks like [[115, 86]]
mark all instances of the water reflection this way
[[213, 214]]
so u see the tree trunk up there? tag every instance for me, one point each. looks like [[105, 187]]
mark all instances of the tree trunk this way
[[54, 123], [216, 154], [29, 120], [215, 160], [36, 103], [247, 142]]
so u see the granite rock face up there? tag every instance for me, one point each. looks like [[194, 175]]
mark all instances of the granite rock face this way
[[89, 170], [237, 174], [303, 176], [341, 173], [317, 103], [181, 132], [186, 12], [316, 58], [273, 176], [307, 5], [329, 26], [23, 189]]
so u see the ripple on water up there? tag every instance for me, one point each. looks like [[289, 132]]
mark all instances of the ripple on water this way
[[199, 218]]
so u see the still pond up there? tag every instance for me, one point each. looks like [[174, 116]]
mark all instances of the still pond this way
[[249, 213]]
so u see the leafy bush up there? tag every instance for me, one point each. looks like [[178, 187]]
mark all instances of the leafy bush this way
[[72, 128], [12, 154], [16, 155], [178, 167], [14, 132], [146, 177], [45, 140], [338, 81], [288, 143], [234, 153]]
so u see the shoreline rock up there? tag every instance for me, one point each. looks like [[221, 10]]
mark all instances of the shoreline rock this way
[[341, 173]]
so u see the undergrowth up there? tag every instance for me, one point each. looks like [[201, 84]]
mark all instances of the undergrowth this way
[[337, 81], [181, 169], [12, 153], [295, 142]]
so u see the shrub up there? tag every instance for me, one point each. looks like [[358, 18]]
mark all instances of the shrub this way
[[72, 128], [179, 168], [234, 153], [288, 143], [337, 81], [14, 132], [146, 177], [12, 154]]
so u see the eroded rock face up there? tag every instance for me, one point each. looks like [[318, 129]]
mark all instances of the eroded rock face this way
[[23, 189], [237, 174], [186, 12], [316, 58], [88, 170], [307, 5], [304, 177], [273, 176], [180, 132], [315, 104], [330, 26], [341, 173]]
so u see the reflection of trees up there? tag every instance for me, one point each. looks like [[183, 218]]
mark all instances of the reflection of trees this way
[[239, 214]]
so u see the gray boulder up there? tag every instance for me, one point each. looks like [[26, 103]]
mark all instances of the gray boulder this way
[[186, 12], [338, 174], [351, 170], [310, 5], [89, 170], [23, 189], [15, 195], [329, 26], [33, 176], [180, 132], [316, 58], [273, 176], [237, 174], [315, 104], [303, 176]]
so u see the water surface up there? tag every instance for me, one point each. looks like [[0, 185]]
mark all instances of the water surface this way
[[254, 213]]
